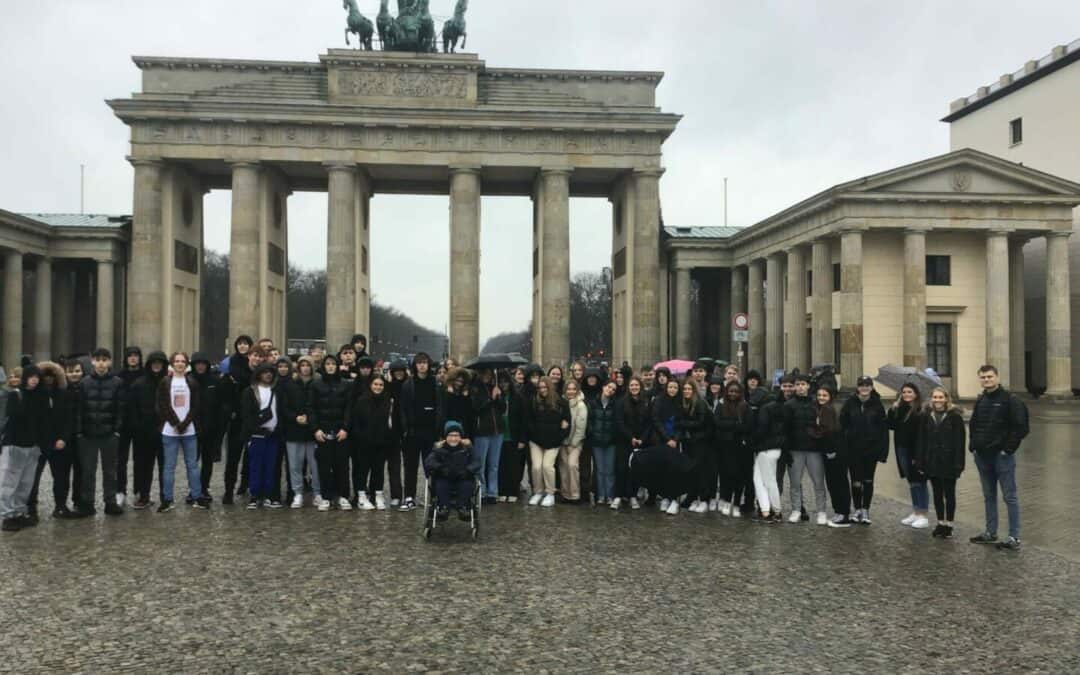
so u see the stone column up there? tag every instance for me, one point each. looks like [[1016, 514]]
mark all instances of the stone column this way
[[43, 310], [1058, 323], [683, 337], [738, 304], [1017, 315], [645, 301], [341, 255], [13, 308], [796, 332], [997, 303], [821, 335], [245, 252], [774, 315], [145, 293], [755, 297], [106, 311], [555, 273], [63, 308], [465, 263], [851, 307], [915, 298]]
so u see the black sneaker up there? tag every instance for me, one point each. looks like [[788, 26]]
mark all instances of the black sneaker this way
[[111, 509], [32, 518], [984, 538], [939, 531], [804, 516], [490, 500], [201, 503], [947, 534], [165, 507], [28, 520], [274, 504], [12, 525], [227, 499], [1010, 544], [62, 512]]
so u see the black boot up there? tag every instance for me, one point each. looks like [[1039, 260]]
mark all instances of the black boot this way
[[12, 525]]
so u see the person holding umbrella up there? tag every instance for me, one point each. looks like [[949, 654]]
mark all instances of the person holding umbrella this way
[[905, 418]]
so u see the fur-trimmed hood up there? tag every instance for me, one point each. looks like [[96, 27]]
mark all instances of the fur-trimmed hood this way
[[55, 370]]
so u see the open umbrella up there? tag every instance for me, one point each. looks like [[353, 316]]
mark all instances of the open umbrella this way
[[676, 366], [496, 361], [894, 377]]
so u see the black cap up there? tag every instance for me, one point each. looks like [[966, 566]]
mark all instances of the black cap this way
[[864, 381]]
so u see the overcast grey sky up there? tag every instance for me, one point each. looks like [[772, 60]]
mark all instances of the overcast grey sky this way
[[784, 98]]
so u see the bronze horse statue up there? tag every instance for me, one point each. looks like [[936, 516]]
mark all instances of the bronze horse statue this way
[[385, 24], [359, 24], [427, 28], [455, 28]]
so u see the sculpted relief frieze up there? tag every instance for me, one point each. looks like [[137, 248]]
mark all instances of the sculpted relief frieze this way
[[368, 83], [379, 138]]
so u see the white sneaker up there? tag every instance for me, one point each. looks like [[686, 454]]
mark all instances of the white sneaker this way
[[909, 520], [839, 520], [321, 504], [664, 504], [857, 516], [642, 494], [536, 499], [921, 523], [549, 500], [364, 504], [673, 508], [822, 518], [694, 505], [795, 516], [615, 503], [407, 505], [502, 499], [724, 508], [120, 499], [380, 501], [511, 500], [704, 508], [735, 512], [634, 503], [395, 502], [343, 504], [714, 504], [297, 502]]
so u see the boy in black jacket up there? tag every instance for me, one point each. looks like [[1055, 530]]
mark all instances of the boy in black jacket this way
[[210, 426], [22, 438], [453, 467], [98, 422]]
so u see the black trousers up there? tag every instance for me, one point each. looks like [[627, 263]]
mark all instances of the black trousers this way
[[234, 454], [624, 485], [393, 468], [147, 452], [60, 464], [836, 479], [586, 474], [862, 470], [368, 469], [280, 464], [209, 452], [511, 465], [663, 470], [123, 451], [415, 450], [332, 458], [944, 498]]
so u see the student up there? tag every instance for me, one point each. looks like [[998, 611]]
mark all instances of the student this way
[[731, 374], [800, 417], [512, 461], [131, 370], [329, 418], [548, 420], [56, 426], [904, 418], [299, 436], [662, 376], [98, 422], [454, 403], [453, 467], [590, 389], [260, 409], [693, 426], [940, 449], [73, 371], [699, 375], [419, 400], [347, 359], [236, 380], [178, 406], [570, 451], [769, 438], [359, 344], [142, 418], [488, 405], [12, 378], [633, 427], [372, 433], [555, 375], [283, 377], [23, 434], [866, 437], [602, 434], [665, 409], [577, 371], [398, 371], [733, 425], [826, 435], [998, 424], [210, 424]]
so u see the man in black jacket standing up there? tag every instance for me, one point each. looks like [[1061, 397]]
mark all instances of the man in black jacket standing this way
[[98, 422], [131, 370], [419, 398], [998, 424]]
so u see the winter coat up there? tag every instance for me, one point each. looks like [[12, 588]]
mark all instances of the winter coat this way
[[732, 426], [865, 427], [101, 406], [800, 415], [579, 422], [602, 430], [544, 424], [456, 407], [58, 421], [826, 431], [905, 428], [26, 417], [517, 414], [452, 463], [329, 404], [393, 390], [5, 391], [998, 423], [693, 425], [770, 425], [164, 408], [633, 419], [128, 376], [233, 383], [940, 446], [143, 398], [296, 400], [419, 406], [370, 423], [486, 409], [251, 405], [210, 424], [665, 410]]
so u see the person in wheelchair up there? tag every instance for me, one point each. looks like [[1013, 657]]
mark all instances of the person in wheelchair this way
[[453, 467]]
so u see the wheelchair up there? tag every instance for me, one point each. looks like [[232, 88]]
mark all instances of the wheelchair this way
[[431, 510]]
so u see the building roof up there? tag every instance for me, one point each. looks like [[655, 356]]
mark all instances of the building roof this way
[[78, 219], [701, 232], [1058, 58]]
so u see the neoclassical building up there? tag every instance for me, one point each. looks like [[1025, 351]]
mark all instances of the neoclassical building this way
[[921, 265]]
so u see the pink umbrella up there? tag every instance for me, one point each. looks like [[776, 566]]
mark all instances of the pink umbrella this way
[[676, 366]]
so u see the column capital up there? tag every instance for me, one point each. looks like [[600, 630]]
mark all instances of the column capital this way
[[855, 228], [464, 169], [556, 170], [244, 164], [917, 229], [648, 172], [1064, 234], [1000, 232], [146, 161], [340, 166]]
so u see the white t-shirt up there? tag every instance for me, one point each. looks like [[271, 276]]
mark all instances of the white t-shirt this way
[[180, 399], [266, 394]]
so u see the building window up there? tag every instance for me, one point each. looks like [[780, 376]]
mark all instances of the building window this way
[[786, 288], [809, 283], [836, 349], [185, 257], [363, 260], [1016, 131], [618, 217], [618, 263], [275, 259], [939, 348], [938, 270], [836, 278]]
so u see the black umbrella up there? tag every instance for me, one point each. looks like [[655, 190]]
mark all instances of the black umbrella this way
[[496, 361]]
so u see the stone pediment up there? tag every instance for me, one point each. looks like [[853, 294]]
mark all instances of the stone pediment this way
[[963, 172]]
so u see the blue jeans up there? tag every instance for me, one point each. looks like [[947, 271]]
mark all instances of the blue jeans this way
[[171, 446], [920, 494], [489, 450], [993, 470], [604, 457]]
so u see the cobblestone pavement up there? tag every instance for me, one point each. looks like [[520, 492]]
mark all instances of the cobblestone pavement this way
[[568, 589]]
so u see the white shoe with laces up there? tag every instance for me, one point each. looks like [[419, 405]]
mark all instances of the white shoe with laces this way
[[394, 503], [343, 504], [673, 508], [615, 503], [364, 504], [724, 508], [120, 499], [694, 506], [664, 504], [634, 503], [714, 504], [297, 502], [822, 518], [549, 500], [921, 523], [909, 520], [380, 501], [536, 499], [795, 517], [321, 504], [735, 512]]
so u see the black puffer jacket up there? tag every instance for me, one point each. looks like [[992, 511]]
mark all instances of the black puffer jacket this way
[[998, 423], [101, 406], [693, 425], [633, 419], [330, 404], [516, 418], [142, 402], [865, 428], [488, 410], [940, 445], [665, 412], [544, 426], [210, 425], [770, 430], [733, 426], [296, 401], [601, 428], [800, 415], [456, 407], [419, 405], [370, 421], [26, 416], [905, 424]]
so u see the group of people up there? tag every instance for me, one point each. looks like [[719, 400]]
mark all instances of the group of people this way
[[336, 427]]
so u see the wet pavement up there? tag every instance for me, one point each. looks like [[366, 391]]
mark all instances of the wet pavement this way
[[567, 589]]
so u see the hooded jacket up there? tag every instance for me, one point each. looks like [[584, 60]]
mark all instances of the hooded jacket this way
[[233, 384], [457, 406], [459, 462], [329, 403], [101, 406], [58, 423], [26, 413], [371, 421], [210, 425], [633, 419], [251, 405], [488, 410], [394, 388], [419, 403], [941, 444], [142, 401], [296, 401], [865, 427], [360, 337]]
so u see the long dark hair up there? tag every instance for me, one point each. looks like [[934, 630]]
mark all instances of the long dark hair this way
[[915, 406], [731, 408]]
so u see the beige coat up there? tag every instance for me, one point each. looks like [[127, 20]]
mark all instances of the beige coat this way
[[579, 418]]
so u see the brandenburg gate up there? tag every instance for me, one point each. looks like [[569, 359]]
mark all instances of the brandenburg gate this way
[[359, 123]]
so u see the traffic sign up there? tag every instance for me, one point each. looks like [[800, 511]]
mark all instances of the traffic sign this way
[[741, 321], [740, 336]]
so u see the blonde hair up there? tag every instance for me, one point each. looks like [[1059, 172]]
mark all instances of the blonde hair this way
[[949, 405]]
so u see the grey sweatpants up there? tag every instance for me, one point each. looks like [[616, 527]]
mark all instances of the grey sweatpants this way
[[89, 449], [17, 469], [815, 464]]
